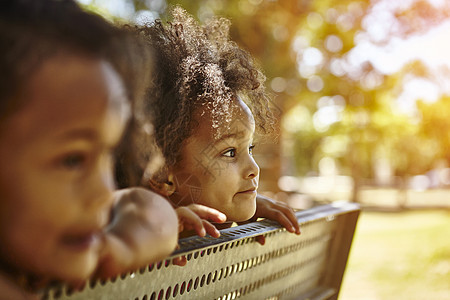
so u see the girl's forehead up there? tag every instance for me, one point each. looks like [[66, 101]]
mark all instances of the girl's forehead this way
[[61, 76], [239, 122], [69, 92]]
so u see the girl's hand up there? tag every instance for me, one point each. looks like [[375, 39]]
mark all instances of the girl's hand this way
[[277, 211], [143, 230], [195, 217]]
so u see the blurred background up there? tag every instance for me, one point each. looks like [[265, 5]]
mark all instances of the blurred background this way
[[362, 95]]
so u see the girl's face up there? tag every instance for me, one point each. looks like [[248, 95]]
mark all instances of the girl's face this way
[[55, 175], [219, 173]]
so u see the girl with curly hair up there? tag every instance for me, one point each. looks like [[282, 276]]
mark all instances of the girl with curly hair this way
[[64, 104], [206, 101]]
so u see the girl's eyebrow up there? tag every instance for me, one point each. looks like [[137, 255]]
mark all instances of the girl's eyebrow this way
[[229, 136], [89, 135], [235, 135], [85, 134]]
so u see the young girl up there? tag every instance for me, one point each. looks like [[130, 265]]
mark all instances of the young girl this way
[[206, 100], [63, 108]]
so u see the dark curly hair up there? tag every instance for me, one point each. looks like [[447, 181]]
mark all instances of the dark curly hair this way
[[199, 66], [137, 149], [33, 31]]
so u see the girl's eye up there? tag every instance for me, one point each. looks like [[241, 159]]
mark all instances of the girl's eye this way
[[73, 161], [230, 153], [250, 149]]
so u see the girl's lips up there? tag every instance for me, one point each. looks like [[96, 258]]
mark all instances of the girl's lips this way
[[249, 191], [81, 242]]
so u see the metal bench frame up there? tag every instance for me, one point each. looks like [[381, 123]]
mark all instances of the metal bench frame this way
[[236, 266]]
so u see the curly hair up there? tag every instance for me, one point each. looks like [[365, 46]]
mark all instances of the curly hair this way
[[33, 31], [133, 59], [199, 66]]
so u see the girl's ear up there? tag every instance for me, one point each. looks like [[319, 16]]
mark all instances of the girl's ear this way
[[166, 188]]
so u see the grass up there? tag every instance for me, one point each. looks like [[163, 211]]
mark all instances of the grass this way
[[403, 255]]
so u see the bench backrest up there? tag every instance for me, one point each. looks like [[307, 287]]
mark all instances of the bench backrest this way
[[236, 266]]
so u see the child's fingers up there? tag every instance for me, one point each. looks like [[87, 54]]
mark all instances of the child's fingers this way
[[283, 219], [289, 213], [180, 261], [261, 239], [208, 213], [189, 220], [193, 221], [180, 226], [211, 229]]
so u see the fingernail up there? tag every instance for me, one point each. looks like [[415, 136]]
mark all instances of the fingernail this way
[[202, 232]]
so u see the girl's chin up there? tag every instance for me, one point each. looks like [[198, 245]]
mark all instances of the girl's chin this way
[[76, 268], [241, 217]]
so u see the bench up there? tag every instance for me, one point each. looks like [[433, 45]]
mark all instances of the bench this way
[[236, 266]]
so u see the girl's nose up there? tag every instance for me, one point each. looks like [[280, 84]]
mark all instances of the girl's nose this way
[[101, 186], [252, 169]]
